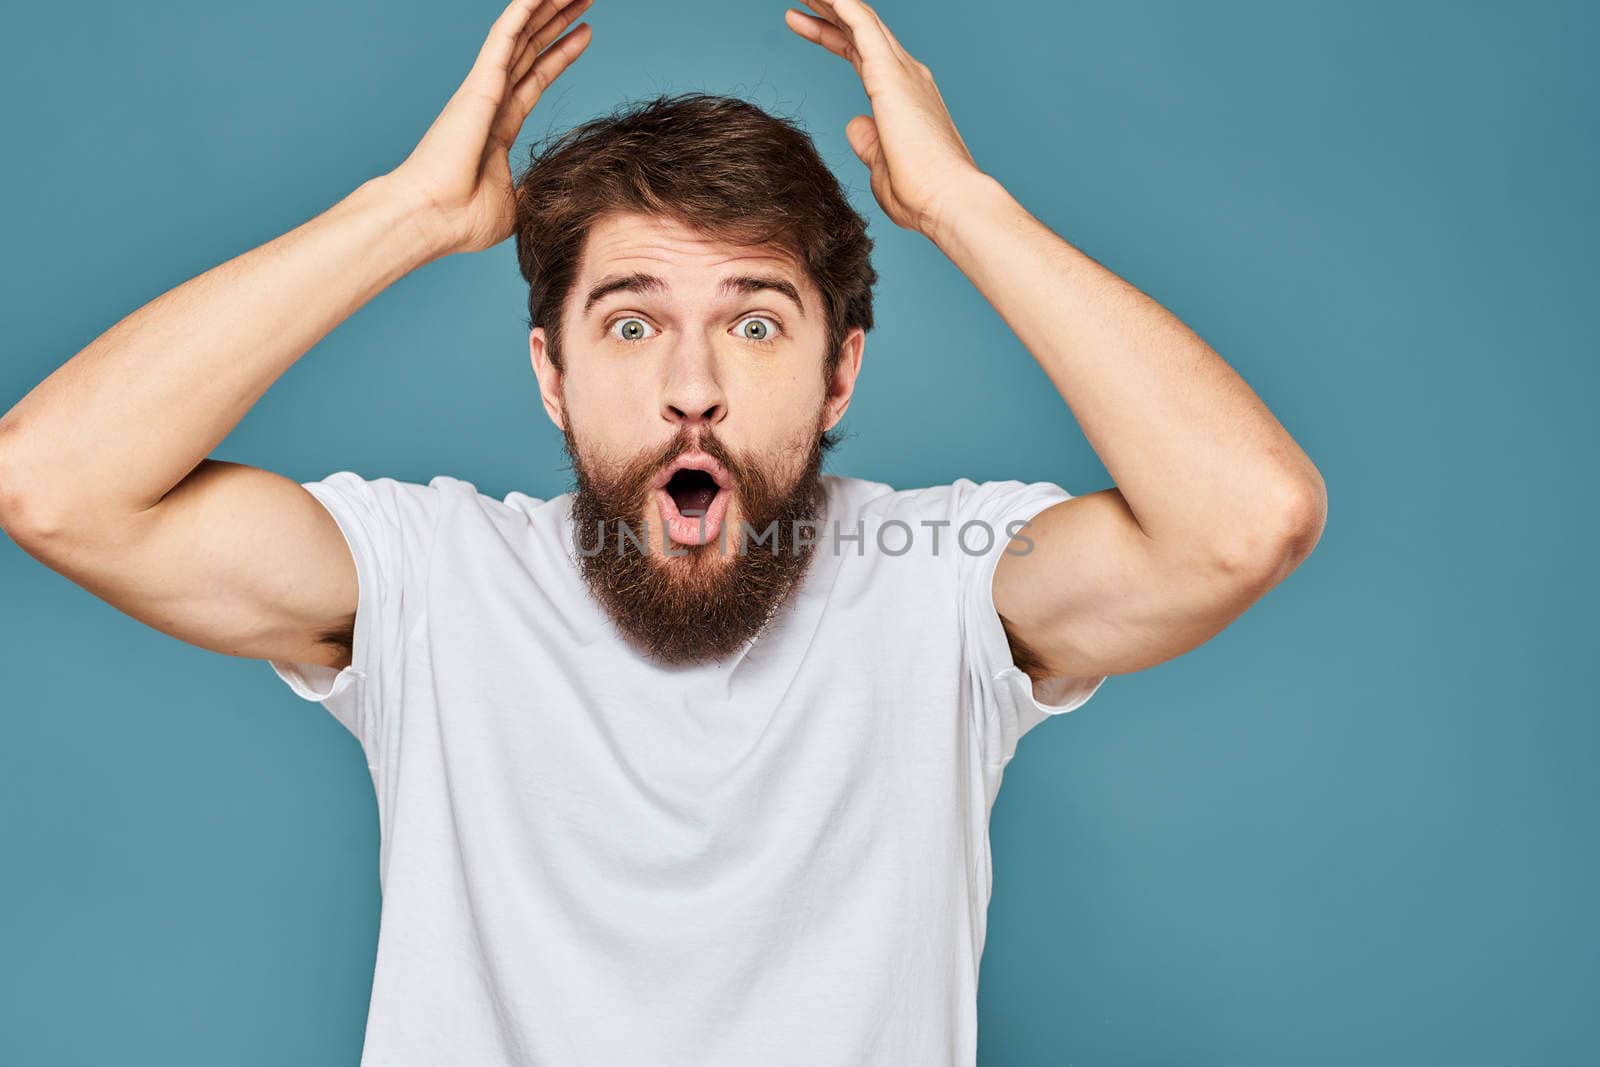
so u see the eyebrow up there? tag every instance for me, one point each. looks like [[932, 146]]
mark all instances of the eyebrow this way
[[639, 282]]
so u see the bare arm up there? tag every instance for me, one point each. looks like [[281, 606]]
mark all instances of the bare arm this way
[[1214, 502], [104, 474]]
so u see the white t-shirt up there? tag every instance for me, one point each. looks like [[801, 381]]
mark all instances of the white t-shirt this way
[[587, 858]]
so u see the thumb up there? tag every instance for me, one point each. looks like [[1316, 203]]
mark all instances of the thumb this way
[[862, 133]]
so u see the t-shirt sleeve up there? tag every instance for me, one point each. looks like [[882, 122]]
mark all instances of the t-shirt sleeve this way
[[389, 526], [1009, 703]]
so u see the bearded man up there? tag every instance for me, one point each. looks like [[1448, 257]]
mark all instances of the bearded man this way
[[692, 764]]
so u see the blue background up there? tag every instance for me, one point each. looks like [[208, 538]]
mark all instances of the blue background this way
[[1357, 826]]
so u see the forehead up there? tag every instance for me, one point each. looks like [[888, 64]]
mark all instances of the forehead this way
[[690, 264]]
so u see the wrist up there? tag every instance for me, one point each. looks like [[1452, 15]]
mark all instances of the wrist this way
[[413, 217], [970, 196]]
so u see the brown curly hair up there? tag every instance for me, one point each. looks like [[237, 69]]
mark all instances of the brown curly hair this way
[[717, 164]]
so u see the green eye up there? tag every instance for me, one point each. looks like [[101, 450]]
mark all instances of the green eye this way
[[758, 328], [632, 329]]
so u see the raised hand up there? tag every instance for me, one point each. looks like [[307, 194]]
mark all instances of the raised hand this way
[[917, 159], [460, 172]]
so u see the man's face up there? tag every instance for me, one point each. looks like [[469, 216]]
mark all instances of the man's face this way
[[682, 352]]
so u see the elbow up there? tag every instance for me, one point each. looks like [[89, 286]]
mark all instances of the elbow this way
[[1268, 548], [22, 516], [1305, 517], [11, 502], [16, 516]]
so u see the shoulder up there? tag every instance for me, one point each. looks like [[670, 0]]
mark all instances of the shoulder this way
[[444, 502], [868, 498], [464, 504], [963, 498]]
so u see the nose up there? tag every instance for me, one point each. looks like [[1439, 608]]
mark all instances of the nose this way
[[691, 392]]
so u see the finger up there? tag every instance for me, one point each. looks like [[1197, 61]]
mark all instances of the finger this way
[[545, 70], [888, 35], [558, 21], [535, 34], [862, 133], [499, 47], [859, 23], [822, 32], [538, 36]]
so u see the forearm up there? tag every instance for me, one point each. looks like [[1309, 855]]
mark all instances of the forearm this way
[[110, 431], [1195, 453]]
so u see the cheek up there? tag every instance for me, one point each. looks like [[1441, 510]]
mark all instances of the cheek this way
[[786, 395], [793, 409], [778, 423], [608, 407]]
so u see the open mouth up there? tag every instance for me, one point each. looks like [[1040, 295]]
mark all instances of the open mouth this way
[[692, 490], [692, 495]]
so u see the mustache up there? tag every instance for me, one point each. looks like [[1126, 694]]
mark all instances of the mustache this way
[[628, 489]]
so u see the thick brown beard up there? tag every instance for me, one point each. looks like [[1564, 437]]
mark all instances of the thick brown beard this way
[[697, 607]]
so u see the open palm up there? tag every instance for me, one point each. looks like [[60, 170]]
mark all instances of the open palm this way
[[913, 152], [460, 171]]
